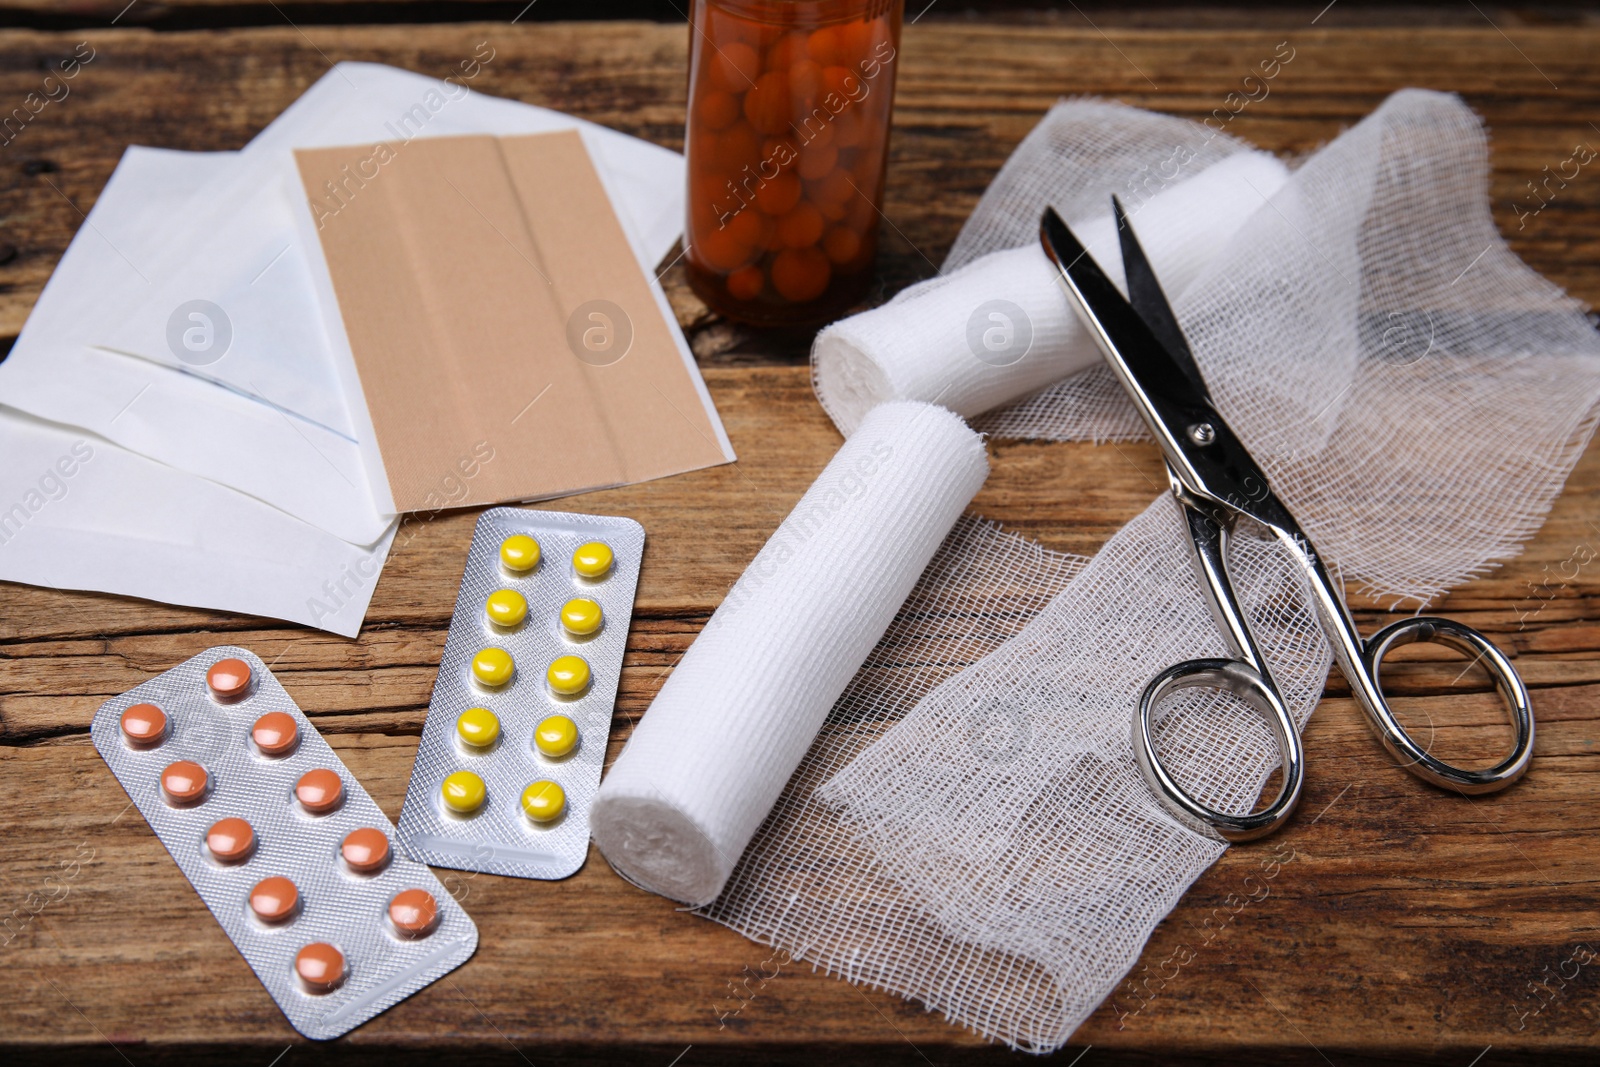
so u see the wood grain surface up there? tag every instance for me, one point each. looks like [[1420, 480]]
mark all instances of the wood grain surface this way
[[1398, 925]]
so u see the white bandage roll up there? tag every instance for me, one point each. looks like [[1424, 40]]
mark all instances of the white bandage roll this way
[[710, 757], [1000, 327]]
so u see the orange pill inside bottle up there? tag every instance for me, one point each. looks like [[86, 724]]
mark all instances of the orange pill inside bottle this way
[[787, 138]]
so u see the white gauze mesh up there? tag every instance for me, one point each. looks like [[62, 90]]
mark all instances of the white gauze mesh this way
[[992, 329], [969, 828]]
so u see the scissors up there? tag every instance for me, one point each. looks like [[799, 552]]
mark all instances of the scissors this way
[[1216, 484]]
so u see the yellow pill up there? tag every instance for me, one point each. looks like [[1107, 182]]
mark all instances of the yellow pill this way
[[568, 675], [543, 801], [493, 666], [556, 736], [520, 553], [463, 792], [593, 560], [581, 616], [506, 607], [478, 727]]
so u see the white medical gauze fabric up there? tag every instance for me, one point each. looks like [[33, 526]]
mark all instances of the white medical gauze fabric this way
[[998, 329], [1016, 916], [970, 829], [712, 753]]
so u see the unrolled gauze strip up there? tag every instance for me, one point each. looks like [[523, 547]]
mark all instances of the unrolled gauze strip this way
[[1000, 328], [708, 760]]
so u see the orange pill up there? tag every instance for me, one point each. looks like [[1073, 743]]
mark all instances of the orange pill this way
[[733, 245], [276, 733], [366, 850], [144, 725], [414, 912], [717, 110], [184, 782], [728, 152], [825, 46], [817, 160], [720, 250], [840, 80], [801, 227], [229, 680], [732, 66], [746, 283], [831, 211], [778, 152], [815, 130], [275, 899], [841, 244], [319, 791], [855, 38], [800, 274], [230, 840], [320, 966], [850, 127], [790, 50], [835, 187], [805, 84], [767, 105], [749, 226], [779, 195]]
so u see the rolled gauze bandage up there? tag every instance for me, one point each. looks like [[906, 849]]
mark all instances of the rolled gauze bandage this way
[[1000, 327], [711, 755]]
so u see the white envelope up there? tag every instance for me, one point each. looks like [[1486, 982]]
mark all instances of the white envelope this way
[[274, 414], [79, 512]]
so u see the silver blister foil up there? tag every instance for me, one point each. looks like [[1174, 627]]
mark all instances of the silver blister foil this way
[[337, 906], [498, 837]]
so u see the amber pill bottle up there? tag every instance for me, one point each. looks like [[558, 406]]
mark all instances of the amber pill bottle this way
[[787, 137]]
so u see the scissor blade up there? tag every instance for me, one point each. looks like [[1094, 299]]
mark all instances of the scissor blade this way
[[1203, 454], [1150, 301], [1136, 354]]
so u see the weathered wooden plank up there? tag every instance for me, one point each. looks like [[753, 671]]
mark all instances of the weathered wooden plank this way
[[1409, 898], [967, 94], [1408, 925]]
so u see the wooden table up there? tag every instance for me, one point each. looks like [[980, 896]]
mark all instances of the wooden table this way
[[1411, 925]]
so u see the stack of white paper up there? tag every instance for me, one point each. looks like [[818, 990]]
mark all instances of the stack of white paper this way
[[179, 422]]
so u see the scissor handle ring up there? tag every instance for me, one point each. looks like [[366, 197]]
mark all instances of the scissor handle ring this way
[[1414, 757], [1245, 682]]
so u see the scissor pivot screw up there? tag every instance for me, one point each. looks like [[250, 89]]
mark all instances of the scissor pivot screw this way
[[1202, 433]]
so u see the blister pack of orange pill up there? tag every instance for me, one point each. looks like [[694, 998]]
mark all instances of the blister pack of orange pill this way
[[291, 855], [516, 730]]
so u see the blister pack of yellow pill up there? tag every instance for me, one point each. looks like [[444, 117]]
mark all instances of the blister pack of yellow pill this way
[[281, 842], [516, 731]]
